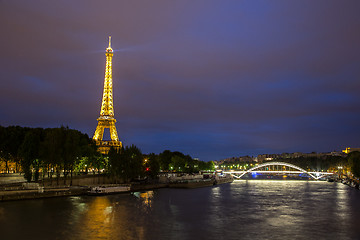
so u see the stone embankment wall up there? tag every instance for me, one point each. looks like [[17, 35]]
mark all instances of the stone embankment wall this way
[[85, 180], [40, 193], [52, 187]]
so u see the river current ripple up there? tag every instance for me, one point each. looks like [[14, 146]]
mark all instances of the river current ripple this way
[[245, 209]]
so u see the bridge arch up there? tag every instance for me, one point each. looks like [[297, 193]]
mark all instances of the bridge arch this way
[[314, 175]]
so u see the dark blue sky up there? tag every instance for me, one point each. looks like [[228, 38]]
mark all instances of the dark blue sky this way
[[213, 79]]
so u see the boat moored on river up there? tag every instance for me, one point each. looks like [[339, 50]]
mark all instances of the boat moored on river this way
[[193, 183], [108, 189], [226, 178]]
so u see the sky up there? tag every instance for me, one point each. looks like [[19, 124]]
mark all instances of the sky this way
[[212, 79]]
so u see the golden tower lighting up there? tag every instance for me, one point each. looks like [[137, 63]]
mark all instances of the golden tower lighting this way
[[106, 119]]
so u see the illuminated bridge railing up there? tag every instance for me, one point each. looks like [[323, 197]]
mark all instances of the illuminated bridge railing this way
[[292, 169]]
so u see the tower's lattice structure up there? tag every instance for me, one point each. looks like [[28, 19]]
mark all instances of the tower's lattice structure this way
[[106, 119]]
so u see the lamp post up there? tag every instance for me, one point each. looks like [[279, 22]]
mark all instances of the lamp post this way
[[339, 169]]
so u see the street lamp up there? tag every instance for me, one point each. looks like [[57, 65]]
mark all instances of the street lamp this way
[[339, 167]]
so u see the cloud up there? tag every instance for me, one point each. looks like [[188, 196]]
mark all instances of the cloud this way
[[211, 78]]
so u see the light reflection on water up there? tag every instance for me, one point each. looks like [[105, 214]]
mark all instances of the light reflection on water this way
[[254, 209], [146, 198], [95, 223]]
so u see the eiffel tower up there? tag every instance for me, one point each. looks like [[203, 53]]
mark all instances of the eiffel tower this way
[[106, 119]]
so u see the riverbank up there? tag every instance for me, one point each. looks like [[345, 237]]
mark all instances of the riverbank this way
[[349, 181], [23, 191], [23, 194]]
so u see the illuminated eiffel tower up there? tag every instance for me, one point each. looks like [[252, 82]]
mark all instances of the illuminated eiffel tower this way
[[106, 119]]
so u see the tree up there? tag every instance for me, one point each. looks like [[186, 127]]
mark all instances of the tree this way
[[95, 160], [177, 163], [126, 163], [116, 168], [354, 163], [210, 166], [152, 166], [10, 140], [52, 150], [29, 151], [134, 162], [71, 151], [165, 160]]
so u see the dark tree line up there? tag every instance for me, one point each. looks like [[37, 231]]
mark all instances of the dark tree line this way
[[10, 140], [129, 163], [354, 163], [177, 161], [56, 151], [351, 163], [126, 163], [49, 151], [316, 163]]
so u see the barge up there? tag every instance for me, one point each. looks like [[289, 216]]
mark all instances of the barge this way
[[108, 189], [192, 183]]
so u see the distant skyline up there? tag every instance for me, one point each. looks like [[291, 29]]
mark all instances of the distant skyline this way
[[213, 79]]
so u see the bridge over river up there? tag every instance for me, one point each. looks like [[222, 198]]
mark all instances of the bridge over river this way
[[278, 168]]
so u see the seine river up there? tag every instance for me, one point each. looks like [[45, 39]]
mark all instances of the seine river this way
[[253, 209]]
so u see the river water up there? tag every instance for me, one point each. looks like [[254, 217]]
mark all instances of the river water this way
[[245, 209]]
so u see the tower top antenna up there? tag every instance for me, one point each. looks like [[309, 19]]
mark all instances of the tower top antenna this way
[[109, 49]]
